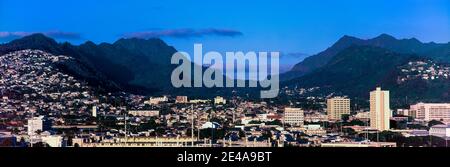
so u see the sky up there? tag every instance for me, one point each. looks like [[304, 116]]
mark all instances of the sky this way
[[296, 28]]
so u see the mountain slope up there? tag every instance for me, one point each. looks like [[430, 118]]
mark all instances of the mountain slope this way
[[357, 70], [354, 71], [136, 65], [407, 46], [140, 66]]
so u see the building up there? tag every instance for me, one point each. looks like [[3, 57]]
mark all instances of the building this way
[[293, 116], [440, 131], [432, 111], [35, 124], [181, 99], [197, 101], [94, 111], [404, 112], [212, 125], [360, 144], [156, 100], [315, 117], [314, 130], [139, 142], [53, 140], [380, 111], [362, 115], [219, 100], [337, 106], [144, 113]]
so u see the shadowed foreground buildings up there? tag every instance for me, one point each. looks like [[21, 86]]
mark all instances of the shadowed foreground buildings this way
[[360, 144]]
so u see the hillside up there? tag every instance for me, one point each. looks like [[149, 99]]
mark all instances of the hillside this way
[[439, 52], [359, 69]]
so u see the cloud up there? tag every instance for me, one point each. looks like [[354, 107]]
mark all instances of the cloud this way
[[183, 33], [53, 34]]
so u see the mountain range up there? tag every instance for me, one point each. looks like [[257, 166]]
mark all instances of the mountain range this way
[[139, 66], [351, 66], [354, 66], [438, 52], [133, 65]]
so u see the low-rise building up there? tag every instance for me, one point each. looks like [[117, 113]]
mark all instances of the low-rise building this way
[[293, 116], [219, 100], [144, 113], [181, 99], [360, 144], [440, 131], [432, 111]]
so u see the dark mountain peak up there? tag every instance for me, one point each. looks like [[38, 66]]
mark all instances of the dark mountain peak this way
[[34, 41], [153, 48], [416, 40], [89, 43], [348, 37], [137, 41], [385, 37], [37, 38], [346, 41]]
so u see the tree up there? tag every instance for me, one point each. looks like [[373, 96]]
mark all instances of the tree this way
[[241, 134], [345, 117], [349, 131]]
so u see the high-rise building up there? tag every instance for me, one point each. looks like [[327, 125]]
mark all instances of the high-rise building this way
[[380, 111], [94, 111], [293, 116], [34, 124], [337, 106], [431, 111]]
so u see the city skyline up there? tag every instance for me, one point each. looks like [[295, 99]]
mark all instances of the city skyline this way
[[356, 73]]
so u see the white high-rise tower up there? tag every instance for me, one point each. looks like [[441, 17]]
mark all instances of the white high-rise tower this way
[[380, 111]]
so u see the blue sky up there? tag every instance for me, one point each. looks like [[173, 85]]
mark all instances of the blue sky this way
[[291, 27]]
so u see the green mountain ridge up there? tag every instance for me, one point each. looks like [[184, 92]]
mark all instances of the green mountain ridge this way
[[439, 52], [357, 70], [134, 65]]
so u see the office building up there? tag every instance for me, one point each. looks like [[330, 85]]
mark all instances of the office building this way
[[35, 124], [293, 116], [432, 111], [336, 107], [380, 111]]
